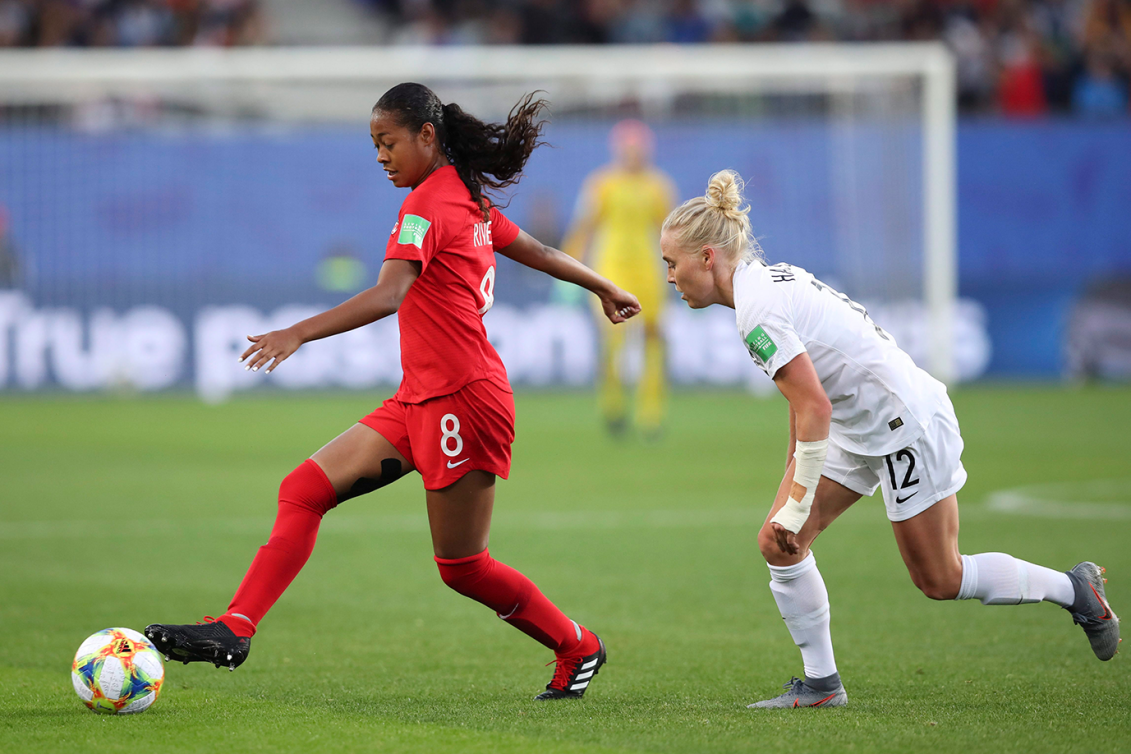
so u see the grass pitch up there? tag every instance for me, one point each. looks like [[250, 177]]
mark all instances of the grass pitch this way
[[126, 512]]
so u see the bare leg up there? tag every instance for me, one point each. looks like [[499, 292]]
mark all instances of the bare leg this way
[[357, 461], [801, 596], [460, 520], [830, 500], [460, 515], [929, 546], [358, 454]]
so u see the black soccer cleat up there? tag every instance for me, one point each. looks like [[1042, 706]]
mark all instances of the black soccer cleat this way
[[207, 641], [573, 674]]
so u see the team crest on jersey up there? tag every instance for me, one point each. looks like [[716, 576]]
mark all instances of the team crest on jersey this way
[[760, 344], [413, 230]]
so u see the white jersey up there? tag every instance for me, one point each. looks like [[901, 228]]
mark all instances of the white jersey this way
[[881, 401]]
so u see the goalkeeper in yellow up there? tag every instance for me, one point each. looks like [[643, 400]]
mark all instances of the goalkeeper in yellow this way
[[617, 232]]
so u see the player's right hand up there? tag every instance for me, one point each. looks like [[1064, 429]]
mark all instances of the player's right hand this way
[[787, 540], [619, 306], [276, 345]]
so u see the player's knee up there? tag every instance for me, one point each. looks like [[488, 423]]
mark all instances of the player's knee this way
[[767, 543], [771, 552], [307, 487], [939, 592], [462, 574], [938, 586]]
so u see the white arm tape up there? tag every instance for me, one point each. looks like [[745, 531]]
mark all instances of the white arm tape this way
[[810, 461]]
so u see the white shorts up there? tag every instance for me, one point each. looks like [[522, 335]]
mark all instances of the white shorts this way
[[913, 479]]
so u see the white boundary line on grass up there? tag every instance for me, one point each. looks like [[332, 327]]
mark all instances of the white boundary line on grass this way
[[1065, 500], [359, 523], [1059, 500]]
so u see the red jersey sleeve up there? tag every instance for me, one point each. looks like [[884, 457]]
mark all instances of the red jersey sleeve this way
[[417, 234], [503, 231]]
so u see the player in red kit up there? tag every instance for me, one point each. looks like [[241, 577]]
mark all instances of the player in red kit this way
[[452, 419]]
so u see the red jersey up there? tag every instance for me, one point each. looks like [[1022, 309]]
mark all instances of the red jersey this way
[[443, 342]]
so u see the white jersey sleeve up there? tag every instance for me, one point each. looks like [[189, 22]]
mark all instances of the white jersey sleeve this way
[[765, 322], [881, 401]]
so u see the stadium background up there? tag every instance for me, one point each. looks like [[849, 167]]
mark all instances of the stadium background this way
[[153, 240], [131, 276], [148, 212]]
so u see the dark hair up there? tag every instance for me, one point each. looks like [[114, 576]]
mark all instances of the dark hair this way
[[485, 155]]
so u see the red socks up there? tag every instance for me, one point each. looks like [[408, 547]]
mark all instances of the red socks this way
[[304, 496], [516, 600]]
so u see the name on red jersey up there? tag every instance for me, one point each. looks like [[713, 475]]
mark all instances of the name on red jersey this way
[[481, 234]]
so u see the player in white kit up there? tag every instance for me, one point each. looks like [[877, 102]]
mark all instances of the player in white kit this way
[[861, 416]]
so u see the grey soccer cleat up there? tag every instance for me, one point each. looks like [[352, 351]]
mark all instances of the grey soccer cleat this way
[[1091, 611], [800, 694]]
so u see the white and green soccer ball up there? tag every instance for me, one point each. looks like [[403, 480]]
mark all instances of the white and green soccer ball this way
[[117, 671]]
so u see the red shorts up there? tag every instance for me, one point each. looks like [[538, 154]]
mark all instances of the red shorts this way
[[446, 437]]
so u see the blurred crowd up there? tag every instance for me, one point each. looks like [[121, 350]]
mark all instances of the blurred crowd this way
[[129, 23], [1020, 57]]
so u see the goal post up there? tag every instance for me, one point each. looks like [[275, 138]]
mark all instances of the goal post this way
[[885, 115]]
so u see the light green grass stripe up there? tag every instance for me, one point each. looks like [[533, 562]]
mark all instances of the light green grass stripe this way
[[1100, 499], [395, 522]]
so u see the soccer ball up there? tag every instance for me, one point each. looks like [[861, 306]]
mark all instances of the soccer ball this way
[[117, 671]]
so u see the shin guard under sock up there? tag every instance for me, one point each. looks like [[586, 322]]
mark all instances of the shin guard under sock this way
[[803, 601], [999, 579], [515, 599], [304, 496]]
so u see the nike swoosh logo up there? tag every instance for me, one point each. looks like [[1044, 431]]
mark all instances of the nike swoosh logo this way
[[1107, 610], [457, 463], [899, 500]]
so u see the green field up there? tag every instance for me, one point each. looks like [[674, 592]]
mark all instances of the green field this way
[[117, 512]]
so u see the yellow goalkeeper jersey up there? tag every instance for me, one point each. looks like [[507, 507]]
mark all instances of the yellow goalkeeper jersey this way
[[626, 210]]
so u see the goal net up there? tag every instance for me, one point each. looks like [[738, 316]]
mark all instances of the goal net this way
[[156, 206]]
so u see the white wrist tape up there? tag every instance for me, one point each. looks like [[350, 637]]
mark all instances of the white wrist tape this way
[[809, 460]]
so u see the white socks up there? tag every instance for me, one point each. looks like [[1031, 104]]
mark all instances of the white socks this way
[[999, 579], [803, 602], [992, 577]]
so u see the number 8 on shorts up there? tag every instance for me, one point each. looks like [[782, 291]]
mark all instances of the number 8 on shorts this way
[[449, 429]]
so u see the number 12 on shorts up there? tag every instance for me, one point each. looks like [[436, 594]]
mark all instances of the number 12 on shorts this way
[[896, 486]]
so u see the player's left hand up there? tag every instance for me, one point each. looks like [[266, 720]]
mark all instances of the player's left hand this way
[[277, 345], [620, 305], [787, 540]]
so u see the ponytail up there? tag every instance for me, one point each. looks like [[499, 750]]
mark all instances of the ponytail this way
[[487, 156], [718, 219], [492, 155]]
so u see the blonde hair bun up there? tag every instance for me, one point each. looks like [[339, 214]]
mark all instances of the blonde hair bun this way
[[715, 219], [724, 193]]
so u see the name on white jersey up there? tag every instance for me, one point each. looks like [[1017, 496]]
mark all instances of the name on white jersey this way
[[481, 234]]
